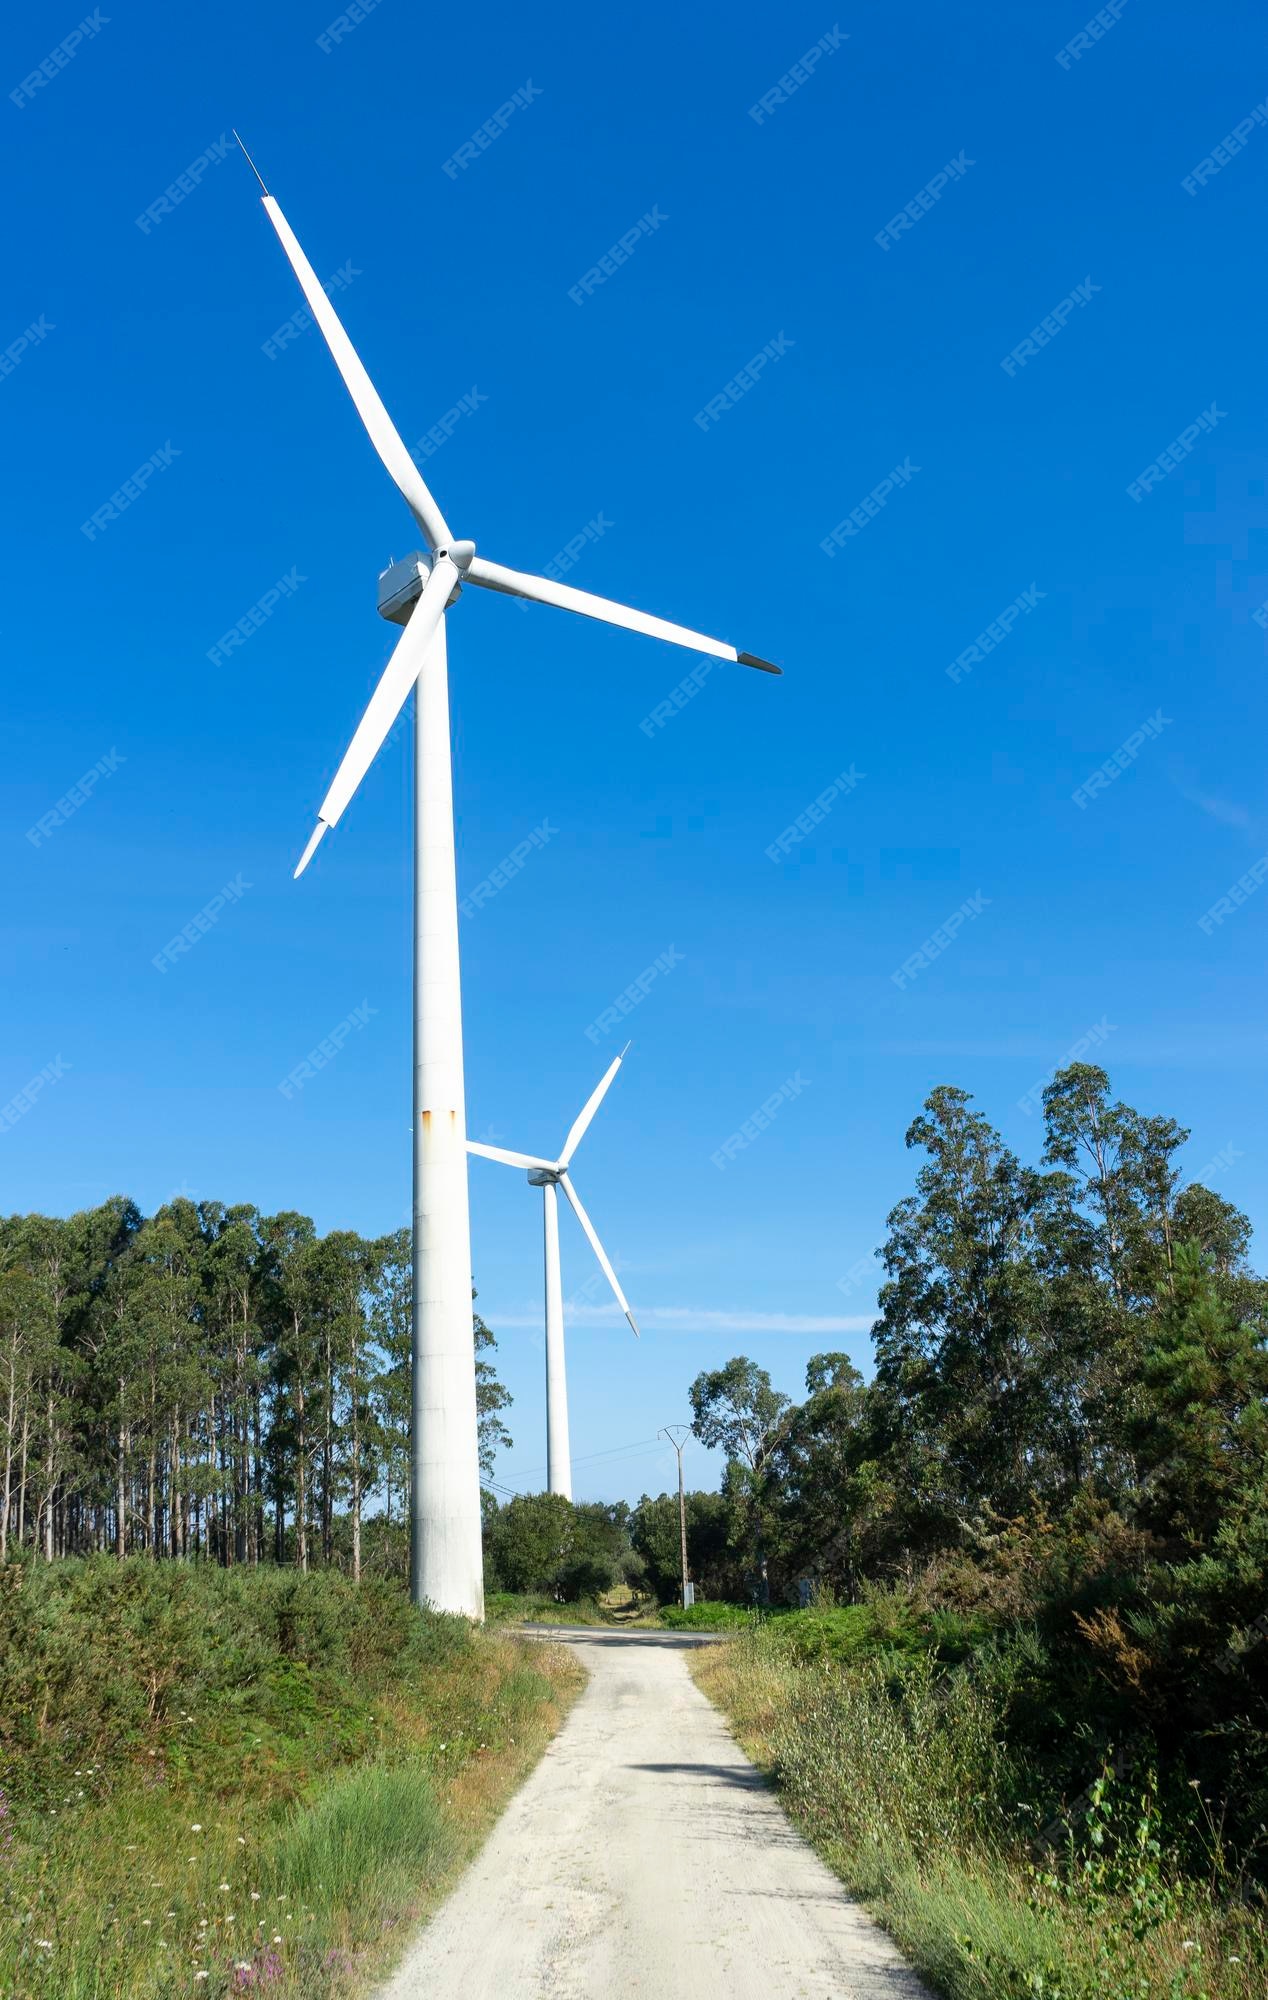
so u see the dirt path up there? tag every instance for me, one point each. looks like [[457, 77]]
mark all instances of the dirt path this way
[[646, 1857]]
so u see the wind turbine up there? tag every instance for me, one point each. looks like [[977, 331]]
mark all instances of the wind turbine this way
[[548, 1175], [445, 1550]]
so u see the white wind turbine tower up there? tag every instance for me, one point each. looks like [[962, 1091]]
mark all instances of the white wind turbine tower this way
[[445, 1552], [548, 1175]]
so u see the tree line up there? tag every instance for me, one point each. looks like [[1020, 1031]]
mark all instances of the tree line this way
[[209, 1381], [1065, 1442], [1084, 1336]]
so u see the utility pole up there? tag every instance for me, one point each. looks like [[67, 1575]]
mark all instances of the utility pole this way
[[679, 1445]]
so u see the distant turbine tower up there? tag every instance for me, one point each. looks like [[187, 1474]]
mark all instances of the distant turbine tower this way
[[548, 1175], [445, 1554]]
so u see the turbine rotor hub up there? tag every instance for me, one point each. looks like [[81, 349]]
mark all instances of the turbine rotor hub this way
[[402, 583]]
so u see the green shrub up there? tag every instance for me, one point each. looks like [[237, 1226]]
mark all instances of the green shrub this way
[[585, 1576], [103, 1660], [709, 1617], [251, 1774], [891, 1751]]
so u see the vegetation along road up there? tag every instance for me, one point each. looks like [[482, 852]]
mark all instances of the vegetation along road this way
[[646, 1856]]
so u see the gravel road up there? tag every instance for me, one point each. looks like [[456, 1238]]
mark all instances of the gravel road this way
[[645, 1858]]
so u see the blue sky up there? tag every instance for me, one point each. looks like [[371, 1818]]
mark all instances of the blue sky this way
[[1064, 201]]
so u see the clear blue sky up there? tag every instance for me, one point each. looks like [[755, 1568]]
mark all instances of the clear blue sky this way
[[1072, 172]]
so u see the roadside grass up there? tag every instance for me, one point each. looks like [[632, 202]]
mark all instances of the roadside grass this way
[[895, 1771], [848, 1632], [224, 1782]]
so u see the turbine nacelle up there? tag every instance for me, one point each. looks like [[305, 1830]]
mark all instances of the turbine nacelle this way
[[402, 583]]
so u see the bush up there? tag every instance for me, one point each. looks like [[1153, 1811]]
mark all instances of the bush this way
[[709, 1617], [101, 1660], [585, 1576], [185, 1752]]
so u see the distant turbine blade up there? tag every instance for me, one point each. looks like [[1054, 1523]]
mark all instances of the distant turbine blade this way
[[510, 1159], [388, 699], [599, 1252], [540, 589], [384, 435], [588, 1110]]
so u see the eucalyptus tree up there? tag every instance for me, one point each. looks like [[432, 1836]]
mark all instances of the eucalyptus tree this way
[[166, 1381]]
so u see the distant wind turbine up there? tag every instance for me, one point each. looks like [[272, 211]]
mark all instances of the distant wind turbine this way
[[445, 1539], [548, 1175]]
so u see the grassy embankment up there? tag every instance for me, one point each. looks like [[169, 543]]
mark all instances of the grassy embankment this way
[[219, 1782], [614, 1607], [891, 1757]]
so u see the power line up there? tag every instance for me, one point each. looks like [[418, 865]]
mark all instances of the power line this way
[[590, 1457]]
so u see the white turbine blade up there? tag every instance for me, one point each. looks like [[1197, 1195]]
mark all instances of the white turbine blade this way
[[384, 435], [314, 842], [517, 583], [388, 699], [588, 1110], [599, 1252], [510, 1159]]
